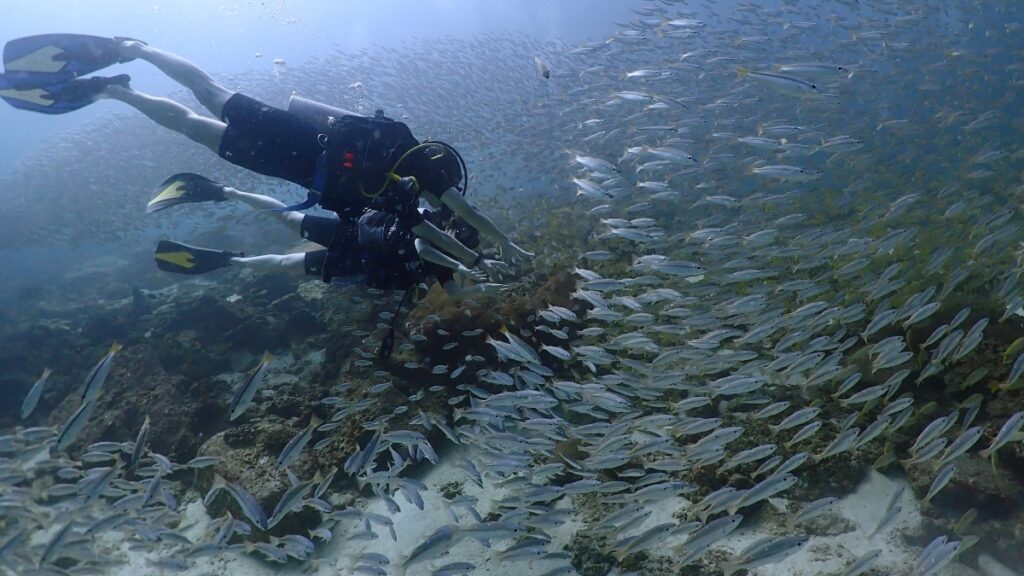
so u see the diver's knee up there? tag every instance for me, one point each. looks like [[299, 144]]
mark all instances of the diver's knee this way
[[205, 131], [213, 97]]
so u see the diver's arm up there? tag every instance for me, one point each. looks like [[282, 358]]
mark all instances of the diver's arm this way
[[453, 199]]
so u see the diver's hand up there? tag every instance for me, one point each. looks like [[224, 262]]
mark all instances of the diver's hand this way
[[495, 268], [474, 274], [511, 253]]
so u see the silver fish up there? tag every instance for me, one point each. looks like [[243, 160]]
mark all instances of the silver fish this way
[[247, 391], [294, 446], [98, 375], [288, 502], [34, 393], [765, 551]]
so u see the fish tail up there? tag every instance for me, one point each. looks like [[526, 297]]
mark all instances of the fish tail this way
[[116, 347], [742, 70], [267, 357]]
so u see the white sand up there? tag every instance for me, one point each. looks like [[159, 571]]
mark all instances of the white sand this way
[[826, 555]]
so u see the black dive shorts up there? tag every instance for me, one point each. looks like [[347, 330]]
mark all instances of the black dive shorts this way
[[268, 140], [341, 257]]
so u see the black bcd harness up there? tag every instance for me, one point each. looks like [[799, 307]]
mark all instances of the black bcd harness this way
[[359, 154]]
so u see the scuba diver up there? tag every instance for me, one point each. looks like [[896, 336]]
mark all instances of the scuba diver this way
[[348, 163], [377, 248]]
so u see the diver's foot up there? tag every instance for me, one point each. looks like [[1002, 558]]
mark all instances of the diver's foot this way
[[107, 87], [96, 87]]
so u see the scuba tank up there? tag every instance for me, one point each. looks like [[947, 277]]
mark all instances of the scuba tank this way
[[318, 113]]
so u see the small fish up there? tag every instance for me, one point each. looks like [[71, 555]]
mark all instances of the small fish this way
[[701, 540], [962, 444], [811, 68], [1009, 430], [804, 433], [94, 381], [69, 432], [842, 443], [140, 445], [543, 70], [795, 419], [765, 551], [813, 510], [764, 489], [246, 502], [887, 519], [55, 542], [288, 502], [941, 479], [34, 393], [784, 84], [965, 521], [247, 391], [596, 164], [863, 563], [439, 542], [294, 446], [786, 173], [203, 462]]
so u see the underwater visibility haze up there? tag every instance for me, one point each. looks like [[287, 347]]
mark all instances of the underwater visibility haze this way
[[582, 288]]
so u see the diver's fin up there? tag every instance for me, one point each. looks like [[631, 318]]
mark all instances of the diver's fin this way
[[56, 98], [184, 259], [64, 56], [185, 187]]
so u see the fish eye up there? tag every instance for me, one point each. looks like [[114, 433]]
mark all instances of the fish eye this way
[[814, 87]]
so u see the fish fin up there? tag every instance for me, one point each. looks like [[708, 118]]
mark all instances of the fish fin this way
[[315, 421]]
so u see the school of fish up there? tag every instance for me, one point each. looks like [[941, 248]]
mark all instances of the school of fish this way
[[788, 226]]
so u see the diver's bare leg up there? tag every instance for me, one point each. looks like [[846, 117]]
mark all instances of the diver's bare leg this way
[[172, 115], [260, 202], [286, 262], [211, 95]]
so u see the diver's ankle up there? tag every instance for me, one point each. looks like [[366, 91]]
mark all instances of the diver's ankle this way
[[113, 92], [130, 49]]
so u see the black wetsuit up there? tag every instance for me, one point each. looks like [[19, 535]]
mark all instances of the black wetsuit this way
[[377, 249], [275, 142]]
